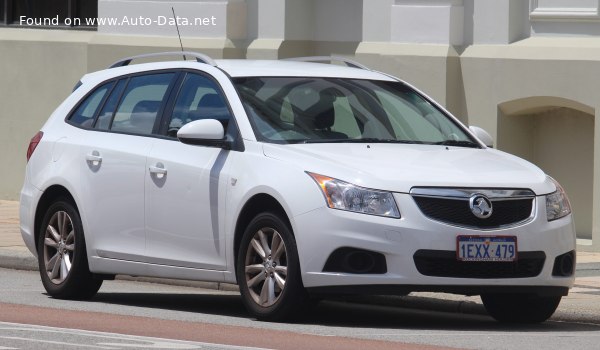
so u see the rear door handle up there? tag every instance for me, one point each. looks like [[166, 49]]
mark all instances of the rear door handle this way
[[94, 158], [159, 170]]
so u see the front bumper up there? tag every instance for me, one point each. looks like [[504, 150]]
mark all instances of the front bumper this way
[[322, 231]]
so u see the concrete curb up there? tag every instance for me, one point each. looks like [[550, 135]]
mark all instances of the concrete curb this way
[[17, 260]]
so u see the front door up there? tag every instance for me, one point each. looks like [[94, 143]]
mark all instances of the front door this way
[[186, 185]]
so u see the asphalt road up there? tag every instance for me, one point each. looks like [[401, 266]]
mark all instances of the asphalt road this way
[[128, 313]]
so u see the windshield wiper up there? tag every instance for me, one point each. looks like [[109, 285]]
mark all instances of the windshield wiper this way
[[458, 143], [363, 140]]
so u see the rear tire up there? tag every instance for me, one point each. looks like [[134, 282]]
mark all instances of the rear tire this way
[[520, 308], [268, 270], [62, 255]]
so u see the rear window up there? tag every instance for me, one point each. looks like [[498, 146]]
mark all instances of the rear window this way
[[85, 113]]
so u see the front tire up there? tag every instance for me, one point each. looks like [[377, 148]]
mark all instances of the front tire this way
[[62, 255], [520, 308], [268, 270]]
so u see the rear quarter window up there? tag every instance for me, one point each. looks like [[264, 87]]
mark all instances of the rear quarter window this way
[[86, 111]]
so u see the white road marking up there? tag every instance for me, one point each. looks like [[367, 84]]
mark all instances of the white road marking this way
[[487, 334], [144, 342], [56, 342]]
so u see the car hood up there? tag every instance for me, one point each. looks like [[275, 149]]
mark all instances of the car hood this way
[[400, 167]]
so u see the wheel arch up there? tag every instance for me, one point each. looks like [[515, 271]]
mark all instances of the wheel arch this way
[[48, 197], [258, 203]]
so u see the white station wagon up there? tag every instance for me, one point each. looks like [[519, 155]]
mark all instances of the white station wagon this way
[[294, 180]]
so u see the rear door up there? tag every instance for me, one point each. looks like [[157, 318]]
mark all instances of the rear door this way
[[113, 158]]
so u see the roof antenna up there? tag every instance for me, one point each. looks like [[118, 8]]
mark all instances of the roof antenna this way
[[179, 35]]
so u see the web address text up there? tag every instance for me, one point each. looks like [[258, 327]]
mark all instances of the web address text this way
[[119, 21]]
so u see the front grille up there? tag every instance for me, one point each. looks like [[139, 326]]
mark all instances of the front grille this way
[[443, 263], [456, 211]]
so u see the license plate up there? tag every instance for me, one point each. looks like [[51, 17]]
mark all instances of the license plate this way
[[481, 248]]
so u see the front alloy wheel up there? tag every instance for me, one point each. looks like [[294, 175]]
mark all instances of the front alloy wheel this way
[[266, 266], [268, 269]]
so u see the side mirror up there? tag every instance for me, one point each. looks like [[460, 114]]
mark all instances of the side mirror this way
[[206, 132], [482, 135]]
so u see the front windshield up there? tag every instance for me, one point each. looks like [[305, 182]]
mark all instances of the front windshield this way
[[315, 110]]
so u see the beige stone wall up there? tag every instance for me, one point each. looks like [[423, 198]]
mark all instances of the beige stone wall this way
[[560, 141], [39, 68], [479, 83], [37, 71], [533, 76]]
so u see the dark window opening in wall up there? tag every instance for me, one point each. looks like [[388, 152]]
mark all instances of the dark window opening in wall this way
[[85, 9], [76, 14], [41, 9], [2, 11]]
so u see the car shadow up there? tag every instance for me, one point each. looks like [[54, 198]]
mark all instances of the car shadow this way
[[344, 313], [224, 305]]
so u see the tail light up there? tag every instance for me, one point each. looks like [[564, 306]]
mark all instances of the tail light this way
[[33, 144]]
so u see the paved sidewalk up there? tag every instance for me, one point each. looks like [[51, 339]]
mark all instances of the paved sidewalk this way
[[10, 236]]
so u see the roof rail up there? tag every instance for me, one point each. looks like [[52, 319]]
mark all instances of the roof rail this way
[[348, 62], [200, 57]]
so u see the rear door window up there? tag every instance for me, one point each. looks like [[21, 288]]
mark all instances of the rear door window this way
[[141, 104]]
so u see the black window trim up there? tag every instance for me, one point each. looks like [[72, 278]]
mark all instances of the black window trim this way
[[116, 79], [169, 106], [166, 107], [97, 116]]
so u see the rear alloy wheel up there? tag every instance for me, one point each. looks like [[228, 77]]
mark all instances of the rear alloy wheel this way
[[59, 247], [269, 270], [520, 308], [62, 254]]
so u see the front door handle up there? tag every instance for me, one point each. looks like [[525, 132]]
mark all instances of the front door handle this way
[[158, 170], [94, 158]]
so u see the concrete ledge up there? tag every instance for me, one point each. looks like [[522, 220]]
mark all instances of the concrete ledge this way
[[17, 259]]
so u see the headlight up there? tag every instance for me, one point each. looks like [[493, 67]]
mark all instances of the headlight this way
[[346, 196], [557, 203]]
